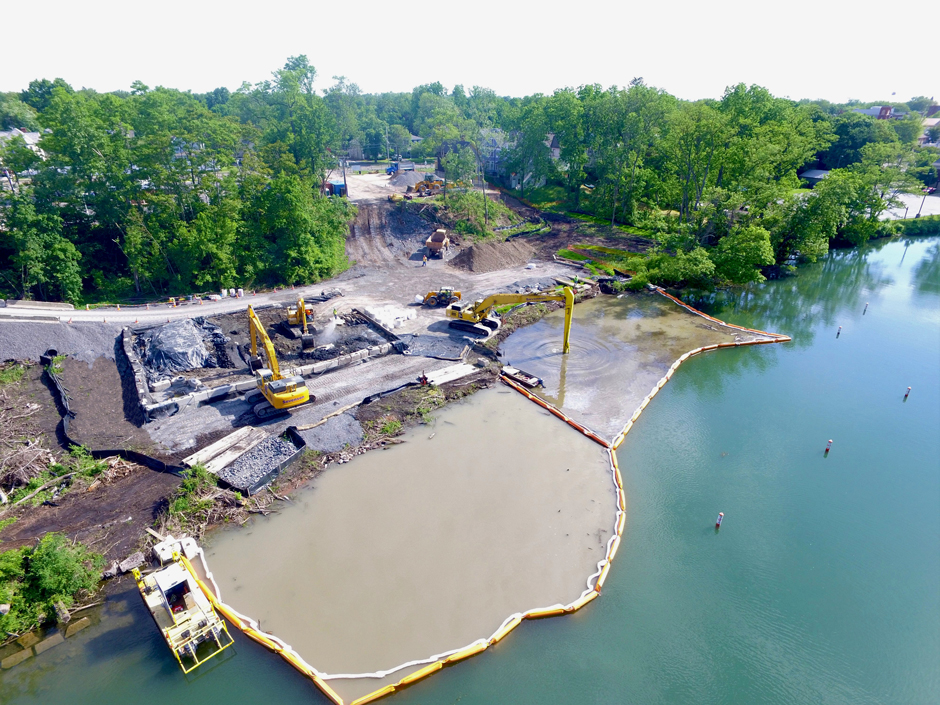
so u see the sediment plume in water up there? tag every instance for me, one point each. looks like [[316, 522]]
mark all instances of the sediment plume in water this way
[[620, 348], [428, 546]]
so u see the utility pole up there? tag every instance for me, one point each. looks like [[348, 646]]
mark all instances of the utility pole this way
[[345, 185], [486, 214], [387, 157]]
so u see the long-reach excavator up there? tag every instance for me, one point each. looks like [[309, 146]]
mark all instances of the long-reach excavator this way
[[478, 317], [297, 324], [280, 393]]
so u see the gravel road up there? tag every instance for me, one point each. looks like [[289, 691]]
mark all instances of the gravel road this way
[[27, 340], [334, 435]]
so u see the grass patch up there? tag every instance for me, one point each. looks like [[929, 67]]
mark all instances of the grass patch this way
[[4, 523], [390, 427], [11, 373], [571, 254], [34, 580], [190, 497]]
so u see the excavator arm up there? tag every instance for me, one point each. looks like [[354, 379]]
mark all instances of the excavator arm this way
[[479, 310], [258, 333]]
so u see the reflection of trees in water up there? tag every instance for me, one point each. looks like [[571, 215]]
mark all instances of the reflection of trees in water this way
[[797, 305], [926, 274]]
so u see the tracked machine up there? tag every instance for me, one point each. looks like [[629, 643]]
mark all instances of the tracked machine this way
[[479, 317], [297, 324], [274, 393]]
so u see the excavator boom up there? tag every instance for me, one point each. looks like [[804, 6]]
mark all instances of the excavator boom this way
[[280, 393], [471, 316]]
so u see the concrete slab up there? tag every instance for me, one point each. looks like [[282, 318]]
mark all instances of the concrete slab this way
[[15, 659], [49, 642], [76, 627]]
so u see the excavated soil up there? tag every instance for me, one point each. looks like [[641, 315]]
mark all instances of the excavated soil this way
[[490, 256]]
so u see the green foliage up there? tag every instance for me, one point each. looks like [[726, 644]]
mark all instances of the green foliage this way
[[390, 427], [189, 498], [569, 254], [925, 225], [739, 256], [11, 373], [32, 580], [469, 215], [14, 113], [9, 521]]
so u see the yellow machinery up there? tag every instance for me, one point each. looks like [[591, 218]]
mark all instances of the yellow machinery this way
[[478, 317], [280, 393], [297, 324], [183, 613], [442, 297]]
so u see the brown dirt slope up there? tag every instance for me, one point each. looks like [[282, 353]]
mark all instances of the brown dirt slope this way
[[490, 256]]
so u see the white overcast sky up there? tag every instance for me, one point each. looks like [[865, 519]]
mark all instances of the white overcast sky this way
[[829, 49]]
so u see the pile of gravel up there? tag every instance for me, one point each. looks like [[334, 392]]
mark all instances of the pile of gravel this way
[[23, 340], [251, 467], [408, 178], [491, 256]]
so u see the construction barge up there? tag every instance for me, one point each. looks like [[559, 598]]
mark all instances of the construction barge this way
[[182, 611]]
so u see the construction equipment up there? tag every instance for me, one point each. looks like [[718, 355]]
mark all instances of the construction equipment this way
[[478, 317], [297, 324], [437, 243], [443, 296], [280, 393], [183, 613], [431, 185], [395, 167]]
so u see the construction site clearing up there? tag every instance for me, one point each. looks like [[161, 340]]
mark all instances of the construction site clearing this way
[[171, 387]]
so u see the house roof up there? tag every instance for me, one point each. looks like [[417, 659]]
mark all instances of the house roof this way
[[815, 174]]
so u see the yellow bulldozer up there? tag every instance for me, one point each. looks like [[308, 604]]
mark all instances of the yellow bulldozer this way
[[480, 318], [442, 297], [274, 393]]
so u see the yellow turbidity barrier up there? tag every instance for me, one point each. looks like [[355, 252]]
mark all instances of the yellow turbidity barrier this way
[[614, 545], [602, 577], [466, 653], [505, 629], [621, 521], [544, 612], [421, 673], [582, 601], [387, 690]]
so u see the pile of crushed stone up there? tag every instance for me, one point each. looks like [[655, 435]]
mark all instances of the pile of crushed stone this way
[[490, 256], [407, 178]]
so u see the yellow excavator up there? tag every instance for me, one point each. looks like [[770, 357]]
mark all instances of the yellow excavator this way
[[280, 394], [297, 324], [478, 317]]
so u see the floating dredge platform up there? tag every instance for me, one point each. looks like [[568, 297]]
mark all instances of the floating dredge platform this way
[[182, 611]]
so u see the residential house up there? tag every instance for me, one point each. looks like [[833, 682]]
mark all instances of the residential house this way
[[814, 176], [882, 112]]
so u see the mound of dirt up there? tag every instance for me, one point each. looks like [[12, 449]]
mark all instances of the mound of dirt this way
[[490, 256], [407, 178]]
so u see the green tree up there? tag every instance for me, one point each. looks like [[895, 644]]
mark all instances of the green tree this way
[[851, 132], [16, 113], [739, 256], [39, 93]]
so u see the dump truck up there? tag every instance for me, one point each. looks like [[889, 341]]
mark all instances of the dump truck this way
[[442, 297], [437, 243], [395, 167]]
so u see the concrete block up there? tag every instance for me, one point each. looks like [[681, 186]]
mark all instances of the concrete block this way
[[28, 640], [76, 627], [160, 385], [48, 643], [17, 658], [135, 560]]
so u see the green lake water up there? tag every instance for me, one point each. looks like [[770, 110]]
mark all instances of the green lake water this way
[[823, 585]]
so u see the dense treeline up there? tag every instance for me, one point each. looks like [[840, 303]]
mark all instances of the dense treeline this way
[[154, 192], [158, 190]]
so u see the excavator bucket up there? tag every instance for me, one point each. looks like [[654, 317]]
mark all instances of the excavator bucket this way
[[307, 342]]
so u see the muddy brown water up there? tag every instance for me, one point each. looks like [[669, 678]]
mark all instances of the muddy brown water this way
[[428, 546], [620, 348]]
